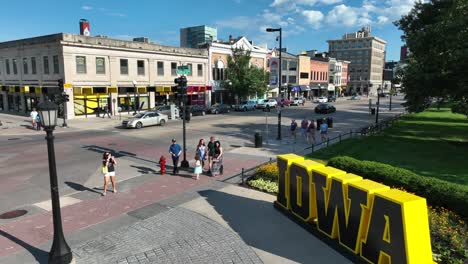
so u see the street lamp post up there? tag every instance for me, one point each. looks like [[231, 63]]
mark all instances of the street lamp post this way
[[134, 97], [391, 93], [60, 251], [378, 104], [280, 78]]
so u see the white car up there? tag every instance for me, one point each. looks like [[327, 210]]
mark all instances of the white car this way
[[298, 101], [145, 119], [270, 103], [321, 99]]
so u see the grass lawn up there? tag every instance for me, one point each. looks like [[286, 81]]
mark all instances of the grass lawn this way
[[433, 143]]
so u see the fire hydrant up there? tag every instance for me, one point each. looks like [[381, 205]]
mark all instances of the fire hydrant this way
[[162, 165]]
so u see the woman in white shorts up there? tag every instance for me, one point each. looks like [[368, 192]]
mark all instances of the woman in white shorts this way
[[109, 163]]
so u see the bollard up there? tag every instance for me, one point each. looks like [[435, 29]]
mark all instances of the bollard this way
[[242, 176], [340, 138], [313, 145], [328, 142]]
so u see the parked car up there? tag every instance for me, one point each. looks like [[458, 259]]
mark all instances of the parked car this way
[[321, 99], [331, 98], [163, 109], [145, 119], [219, 109], [260, 103], [195, 110], [324, 108], [298, 101], [384, 95], [271, 103], [246, 105]]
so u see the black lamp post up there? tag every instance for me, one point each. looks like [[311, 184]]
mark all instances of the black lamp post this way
[[280, 78], [134, 97], [60, 251], [378, 104], [391, 93]]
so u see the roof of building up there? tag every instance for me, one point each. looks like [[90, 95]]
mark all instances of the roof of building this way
[[73, 39]]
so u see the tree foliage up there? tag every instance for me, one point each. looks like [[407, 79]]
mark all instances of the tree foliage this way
[[436, 34], [244, 79]]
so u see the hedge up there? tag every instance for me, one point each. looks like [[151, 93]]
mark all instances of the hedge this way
[[437, 192]]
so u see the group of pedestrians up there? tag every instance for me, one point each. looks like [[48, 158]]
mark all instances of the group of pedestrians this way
[[308, 129], [210, 154]]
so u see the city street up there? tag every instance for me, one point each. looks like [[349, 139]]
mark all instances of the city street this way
[[24, 176]]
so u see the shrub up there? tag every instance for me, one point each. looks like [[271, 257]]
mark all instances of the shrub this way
[[449, 235], [268, 172], [264, 185], [437, 192]]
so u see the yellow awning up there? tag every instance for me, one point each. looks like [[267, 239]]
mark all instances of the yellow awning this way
[[112, 89], [167, 89], [141, 89], [87, 90], [160, 89], [12, 89], [25, 89]]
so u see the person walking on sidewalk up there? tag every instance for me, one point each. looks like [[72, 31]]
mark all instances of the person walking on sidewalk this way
[[175, 150], [311, 132], [108, 169], [304, 126], [324, 130], [38, 122], [33, 116], [293, 129], [217, 167], [211, 152], [198, 167], [201, 151]]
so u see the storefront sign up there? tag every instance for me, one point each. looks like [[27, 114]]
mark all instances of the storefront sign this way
[[380, 224]]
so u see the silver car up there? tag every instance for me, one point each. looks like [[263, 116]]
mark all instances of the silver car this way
[[145, 119]]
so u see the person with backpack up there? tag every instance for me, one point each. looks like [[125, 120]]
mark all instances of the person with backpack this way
[[211, 153], [293, 128], [38, 122]]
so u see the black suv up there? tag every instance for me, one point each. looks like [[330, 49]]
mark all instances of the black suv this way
[[331, 98], [195, 110]]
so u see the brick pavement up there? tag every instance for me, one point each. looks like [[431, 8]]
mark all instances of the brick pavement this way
[[177, 235], [37, 229]]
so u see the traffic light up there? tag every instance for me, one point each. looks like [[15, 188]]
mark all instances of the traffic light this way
[[181, 84], [60, 84], [65, 97]]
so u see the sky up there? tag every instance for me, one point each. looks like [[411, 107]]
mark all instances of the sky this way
[[306, 24]]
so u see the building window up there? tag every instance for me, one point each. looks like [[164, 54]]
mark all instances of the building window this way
[[45, 61], [7, 66], [174, 68], [15, 67], [80, 64], [200, 70], [304, 75], [100, 65], [56, 64], [283, 80], [189, 65], [219, 72], [284, 65], [25, 66], [293, 65], [123, 66], [141, 67], [160, 68], [292, 79], [33, 65]]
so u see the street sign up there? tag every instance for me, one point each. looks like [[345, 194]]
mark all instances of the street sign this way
[[184, 69], [68, 85]]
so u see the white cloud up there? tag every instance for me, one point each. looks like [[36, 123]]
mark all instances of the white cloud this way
[[87, 8], [313, 18], [382, 19], [239, 23], [342, 15], [294, 3]]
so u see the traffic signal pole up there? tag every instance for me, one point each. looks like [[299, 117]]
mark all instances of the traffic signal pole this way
[[182, 91], [64, 100]]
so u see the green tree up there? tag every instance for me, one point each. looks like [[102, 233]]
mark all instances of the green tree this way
[[436, 34], [244, 79]]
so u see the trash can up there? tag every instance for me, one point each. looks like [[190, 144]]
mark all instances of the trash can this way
[[319, 122], [330, 122], [373, 111], [258, 140]]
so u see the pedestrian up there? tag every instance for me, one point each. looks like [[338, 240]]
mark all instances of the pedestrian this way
[[33, 117], [311, 132], [201, 151], [304, 126], [198, 167], [293, 129], [324, 129], [175, 150], [211, 152], [217, 167], [107, 112], [108, 169], [38, 122]]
